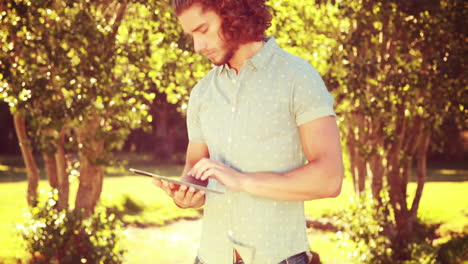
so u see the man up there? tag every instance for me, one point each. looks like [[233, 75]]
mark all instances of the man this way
[[253, 122]]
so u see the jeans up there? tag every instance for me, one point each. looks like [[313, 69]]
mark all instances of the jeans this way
[[300, 258]]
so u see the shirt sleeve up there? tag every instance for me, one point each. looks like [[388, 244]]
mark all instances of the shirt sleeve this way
[[194, 130], [311, 97]]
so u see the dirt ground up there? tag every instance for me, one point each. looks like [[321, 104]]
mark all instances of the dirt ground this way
[[176, 243]]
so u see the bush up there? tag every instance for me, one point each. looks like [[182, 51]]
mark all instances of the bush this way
[[365, 228], [455, 250], [54, 236], [422, 253], [368, 230]]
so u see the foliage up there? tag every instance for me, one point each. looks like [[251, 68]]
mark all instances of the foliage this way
[[421, 253], [398, 74], [168, 67], [53, 236], [455, 250], [365, 231], [88, 71], [161, 52], [368, 234], [65, 63], [292, 24], [393, 59]]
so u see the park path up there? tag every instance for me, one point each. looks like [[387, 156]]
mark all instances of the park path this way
[[176, 243]]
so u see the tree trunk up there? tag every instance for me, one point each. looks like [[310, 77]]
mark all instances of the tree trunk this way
[[162, 131], [405, 218], [377, 170], [421, 173], [26, 152], [358, 166], [171, 139], [89, 189], [97, 187], [91, 174], [404, 224], [62, 176], [50, 167], [84, 195], [362, 175]]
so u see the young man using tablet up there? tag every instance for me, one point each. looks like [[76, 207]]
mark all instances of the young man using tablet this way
[[262, 130]]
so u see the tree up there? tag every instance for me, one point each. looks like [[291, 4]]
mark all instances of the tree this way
[[78, 77], [398, 73], [56, 72]]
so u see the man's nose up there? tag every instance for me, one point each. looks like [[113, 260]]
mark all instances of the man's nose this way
[[199, 44]]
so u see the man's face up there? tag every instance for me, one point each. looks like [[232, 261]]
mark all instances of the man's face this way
[[204, 27]]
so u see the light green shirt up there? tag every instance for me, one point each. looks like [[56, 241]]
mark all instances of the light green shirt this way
[[250, 122]]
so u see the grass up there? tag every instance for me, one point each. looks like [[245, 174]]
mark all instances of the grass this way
[[442, 202]]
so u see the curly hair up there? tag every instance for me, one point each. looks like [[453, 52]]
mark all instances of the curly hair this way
[[242, 20]]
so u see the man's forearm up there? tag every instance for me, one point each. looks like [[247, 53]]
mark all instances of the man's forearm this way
[[315, 180]]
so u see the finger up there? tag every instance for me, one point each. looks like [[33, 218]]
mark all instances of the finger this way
[[198, 195], [189, 194], [193, 169], [207, 166], [165, 185], [198, 168], [179, 195], [174, 186], [161, 185], [167, 188], [183, 188], [212, 172], [157, 182], [169, 185]]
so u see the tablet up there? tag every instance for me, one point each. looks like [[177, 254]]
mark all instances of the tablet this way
[[199, 187]]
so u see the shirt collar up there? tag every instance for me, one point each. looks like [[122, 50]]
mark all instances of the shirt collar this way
[[259, 60]]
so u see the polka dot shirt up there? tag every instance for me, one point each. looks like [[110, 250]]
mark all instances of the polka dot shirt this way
[[249, 121]]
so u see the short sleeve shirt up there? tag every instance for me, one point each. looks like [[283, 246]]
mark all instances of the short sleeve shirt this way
[[249, 121]]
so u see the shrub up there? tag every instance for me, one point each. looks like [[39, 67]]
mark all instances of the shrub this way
[[365, 227], [67, 237], [422, 253], [368, 230], [455, 250]]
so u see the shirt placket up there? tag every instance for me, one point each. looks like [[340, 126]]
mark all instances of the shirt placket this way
[[234, 93], [234, 79]]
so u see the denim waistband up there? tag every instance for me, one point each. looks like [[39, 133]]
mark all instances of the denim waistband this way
[[301, 258]]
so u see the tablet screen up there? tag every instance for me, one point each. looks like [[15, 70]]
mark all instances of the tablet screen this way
[[179, 182]]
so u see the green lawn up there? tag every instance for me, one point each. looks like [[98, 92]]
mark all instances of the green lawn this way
[[445, 202]]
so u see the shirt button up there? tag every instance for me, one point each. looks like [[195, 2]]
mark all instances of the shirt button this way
[[233, 109], [233, 81], [229, 140]]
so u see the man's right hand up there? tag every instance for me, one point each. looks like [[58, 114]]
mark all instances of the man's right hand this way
[[182, 195]]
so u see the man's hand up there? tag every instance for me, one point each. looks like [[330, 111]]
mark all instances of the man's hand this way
[[207, 168], [183, 195]]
